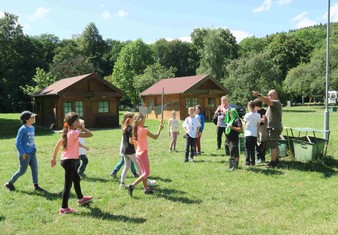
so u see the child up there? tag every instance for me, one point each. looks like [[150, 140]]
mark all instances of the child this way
[[200, 116], [25, 145], [70, 160], [121, 163], [82, 154], [191, 126], [252, 121], [234, 127], [141, 143], [260, 145], [174, 131]]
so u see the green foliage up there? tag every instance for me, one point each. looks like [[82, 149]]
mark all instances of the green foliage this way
[[132, 61], [177, 54], [42, 79], [152, 74]]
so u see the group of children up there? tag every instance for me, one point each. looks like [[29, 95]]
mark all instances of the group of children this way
[[133, 149]]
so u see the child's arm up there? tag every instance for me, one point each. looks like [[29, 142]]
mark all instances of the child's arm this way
[[151, 135], [85, 133], [83, 146], [56, 150]]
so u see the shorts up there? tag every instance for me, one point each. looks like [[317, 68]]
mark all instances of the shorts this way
[[272, 138]]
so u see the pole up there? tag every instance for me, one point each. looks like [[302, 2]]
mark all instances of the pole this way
[[162, 105], [326, 112]]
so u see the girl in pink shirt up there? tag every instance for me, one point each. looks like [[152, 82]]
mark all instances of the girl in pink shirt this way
[[70, 159], [140, 135]]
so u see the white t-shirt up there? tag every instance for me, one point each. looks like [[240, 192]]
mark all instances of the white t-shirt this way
[[252, 120], [82, 151], [191, 124]]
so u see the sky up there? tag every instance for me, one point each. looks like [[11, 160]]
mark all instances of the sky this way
[[151, 20]]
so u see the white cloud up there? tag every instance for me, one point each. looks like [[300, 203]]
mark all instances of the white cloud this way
[[106, 15], [39, 13], [122, 13], [303, 21], [266, 5], [2, 14], [240, 35], [333, 14], [283, 2]]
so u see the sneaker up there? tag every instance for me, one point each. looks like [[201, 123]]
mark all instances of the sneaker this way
[[130, 189], [272, 164], [185, 160], [136, 175], [122, 186], [10, 186], [39, 189], [67, 210], [84, 200], [151, 182], [82, 175], [148, 191], [113, 174], [192, 159], [260, 161]]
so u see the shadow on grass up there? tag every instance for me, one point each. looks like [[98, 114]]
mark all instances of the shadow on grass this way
[[97, 213], [49, 196], [10, 128], [2, 218], [167, 194], [95, 179], [328, 167], [264, 170]]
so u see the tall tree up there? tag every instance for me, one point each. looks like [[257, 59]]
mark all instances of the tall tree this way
[[41, 79], [132, 61]]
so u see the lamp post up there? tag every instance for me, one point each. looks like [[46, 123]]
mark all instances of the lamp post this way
[[326, 112]]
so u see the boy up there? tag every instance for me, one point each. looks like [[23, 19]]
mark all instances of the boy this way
[[192, 126], [260, 148], [26, 150]]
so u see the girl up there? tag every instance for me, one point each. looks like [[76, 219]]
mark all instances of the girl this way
[[70, 159], [174, 131], [200, 116], [141, 142]]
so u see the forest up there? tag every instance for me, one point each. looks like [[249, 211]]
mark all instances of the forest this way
[[293, 63]]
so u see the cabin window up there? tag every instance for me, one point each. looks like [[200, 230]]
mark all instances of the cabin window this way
[[79, 108], [211, 102], [103, 107], [67, 107], [187, 102], [194, 101], [151, 104]]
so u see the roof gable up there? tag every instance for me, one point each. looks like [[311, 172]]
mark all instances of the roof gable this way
[[62, 85], [180, 85]]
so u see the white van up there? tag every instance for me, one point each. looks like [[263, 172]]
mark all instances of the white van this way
[[333, 97]]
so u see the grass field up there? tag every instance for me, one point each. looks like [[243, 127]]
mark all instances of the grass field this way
[[192, 198]]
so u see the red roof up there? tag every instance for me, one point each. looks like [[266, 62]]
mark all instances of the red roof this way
[[65, 83], [178, 85]]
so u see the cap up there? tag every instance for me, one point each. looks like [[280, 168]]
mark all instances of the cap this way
[[25, 115]]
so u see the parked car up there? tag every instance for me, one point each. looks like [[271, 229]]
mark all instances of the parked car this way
[[239, 108]]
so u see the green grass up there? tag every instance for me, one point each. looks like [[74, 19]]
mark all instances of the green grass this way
[[192, 198]]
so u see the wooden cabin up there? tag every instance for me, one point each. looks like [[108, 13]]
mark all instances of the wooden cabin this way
[[92, 97], [180, 93]]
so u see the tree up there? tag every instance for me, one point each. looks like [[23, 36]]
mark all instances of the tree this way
[[219, 45], [152, 74], [42, 79], [254, 73], [180, 55], [132, 61]]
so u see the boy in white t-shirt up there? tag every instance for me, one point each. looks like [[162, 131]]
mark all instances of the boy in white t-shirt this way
[[192, 127], [252, 121]]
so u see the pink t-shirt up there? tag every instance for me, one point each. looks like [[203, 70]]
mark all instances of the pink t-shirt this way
[[72, 150], [142, 140]]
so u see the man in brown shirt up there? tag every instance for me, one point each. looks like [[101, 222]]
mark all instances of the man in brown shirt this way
[[274, 123]]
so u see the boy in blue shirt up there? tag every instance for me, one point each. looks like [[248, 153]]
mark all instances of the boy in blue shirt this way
[[25, 145]]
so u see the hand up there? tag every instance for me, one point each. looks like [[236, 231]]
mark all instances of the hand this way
[[53, 162], [255, 93], [24, 156], [87, 148], [161, 126]]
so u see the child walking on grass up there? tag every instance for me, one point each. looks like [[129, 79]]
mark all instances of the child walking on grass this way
[[70, 160], [174, 130], [25, 145], [192, 127], [82, 154], [140, 138]]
